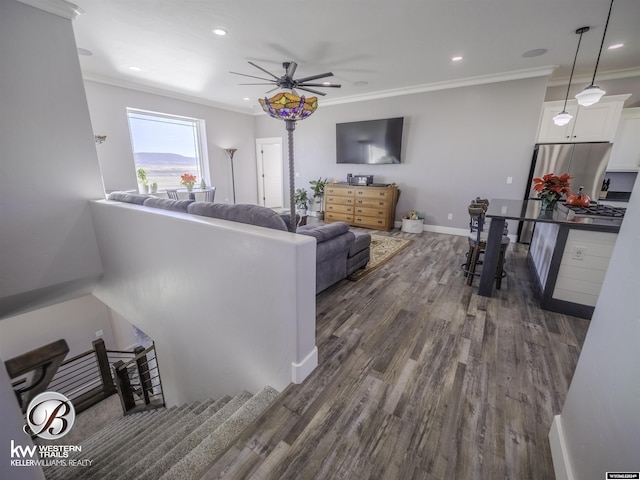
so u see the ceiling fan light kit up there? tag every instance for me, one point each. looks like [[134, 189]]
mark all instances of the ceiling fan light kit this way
[[592, 94], [565, 117]]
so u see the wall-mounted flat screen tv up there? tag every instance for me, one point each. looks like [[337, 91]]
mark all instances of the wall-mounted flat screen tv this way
[[370, 141]]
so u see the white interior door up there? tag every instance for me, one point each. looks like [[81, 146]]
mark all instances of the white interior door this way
[[269, 167]]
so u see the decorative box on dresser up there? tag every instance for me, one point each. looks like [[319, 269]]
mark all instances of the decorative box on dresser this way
[[372, 206]]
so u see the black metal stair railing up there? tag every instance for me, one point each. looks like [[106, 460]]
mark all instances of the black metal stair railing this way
[[138, 381]]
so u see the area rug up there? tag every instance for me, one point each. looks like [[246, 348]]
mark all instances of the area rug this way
[[382, 250]]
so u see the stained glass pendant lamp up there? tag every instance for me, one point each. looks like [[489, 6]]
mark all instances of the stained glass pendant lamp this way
[[565, 117], [592, 94], [290, 108]]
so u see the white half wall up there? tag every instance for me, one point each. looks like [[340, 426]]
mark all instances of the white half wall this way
[[601, 414], [230, 306]]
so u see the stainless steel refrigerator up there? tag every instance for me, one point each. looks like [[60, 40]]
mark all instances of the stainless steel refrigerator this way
[[585, 162]]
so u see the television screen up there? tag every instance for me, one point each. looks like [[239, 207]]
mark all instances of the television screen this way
[[371, 141]]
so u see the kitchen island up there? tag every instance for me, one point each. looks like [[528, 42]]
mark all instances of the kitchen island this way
[[568, 255]]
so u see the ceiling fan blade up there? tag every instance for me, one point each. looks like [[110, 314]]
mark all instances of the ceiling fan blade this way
[[332, 85], [269, 83], [317, 92], [265, 71], [314, 77], [252, 76], [291, 69]]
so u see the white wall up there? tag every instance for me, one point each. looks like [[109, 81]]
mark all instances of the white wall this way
[[49, 169], [458, 144], [12, 423], [601, 415], [224, 129], [77, 321], [230, 306]]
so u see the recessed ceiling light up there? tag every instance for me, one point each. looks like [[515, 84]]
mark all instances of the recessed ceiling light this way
[[326, 84], [85, 52], [456, 59], [134, 68], [220, 31], [536, 52], [246, 99], [616, 45], [360, 83]]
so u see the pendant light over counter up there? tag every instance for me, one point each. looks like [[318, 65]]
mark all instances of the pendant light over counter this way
[[592, 94], [565, 117]]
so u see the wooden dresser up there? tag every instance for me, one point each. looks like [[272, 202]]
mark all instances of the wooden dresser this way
[[370, 207]]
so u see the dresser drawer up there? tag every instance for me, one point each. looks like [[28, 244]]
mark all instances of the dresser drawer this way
[[375, 193], [338, 217], [371, 212], [369, 221], [340, 191], [371, 203], [339, 200], [336, 208]]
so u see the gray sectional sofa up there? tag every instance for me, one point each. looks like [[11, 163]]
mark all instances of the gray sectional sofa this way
[[339, 252]]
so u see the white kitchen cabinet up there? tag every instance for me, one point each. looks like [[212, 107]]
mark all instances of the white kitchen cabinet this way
[[625, 154], [597, 123]]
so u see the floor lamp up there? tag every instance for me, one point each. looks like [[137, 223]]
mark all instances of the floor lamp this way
[[290, 108], [231, 151]]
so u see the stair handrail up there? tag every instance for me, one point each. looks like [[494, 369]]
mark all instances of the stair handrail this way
[[43, 361]]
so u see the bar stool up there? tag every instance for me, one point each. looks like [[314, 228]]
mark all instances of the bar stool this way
[[172, 194], [478, 244]]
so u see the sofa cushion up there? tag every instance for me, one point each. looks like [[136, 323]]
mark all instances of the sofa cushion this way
[[250, 214], [168, 204], [362, 242], [136, 198], [322, 233]]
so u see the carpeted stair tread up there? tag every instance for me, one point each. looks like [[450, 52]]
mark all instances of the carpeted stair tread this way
[[143, 463], [195, 462], [92, 446], [151, 440], [122, 450], [160, 464]]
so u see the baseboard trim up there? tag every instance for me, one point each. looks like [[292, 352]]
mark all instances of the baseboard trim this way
[[300, 371], [559, 454]]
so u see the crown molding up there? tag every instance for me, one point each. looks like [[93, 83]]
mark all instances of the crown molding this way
[[611, 75], [446, 85], [60, 8], [164, 93]]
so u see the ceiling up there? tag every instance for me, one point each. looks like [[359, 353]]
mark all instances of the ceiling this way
[[373, 47]]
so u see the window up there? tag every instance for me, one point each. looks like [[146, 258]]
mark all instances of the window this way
[[166, 146]]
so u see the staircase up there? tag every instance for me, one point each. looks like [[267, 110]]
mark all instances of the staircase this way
[[167, 443]]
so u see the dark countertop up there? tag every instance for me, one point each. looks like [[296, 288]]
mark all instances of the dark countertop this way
[[517, 210]]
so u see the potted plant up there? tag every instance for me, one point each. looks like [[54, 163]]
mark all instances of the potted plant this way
[[318, 194], [154, 187], [412, 222], [143, 185], [188, 181], [301, 198]]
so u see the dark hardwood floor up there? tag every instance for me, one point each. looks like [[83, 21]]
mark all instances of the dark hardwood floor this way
[[420, 378]]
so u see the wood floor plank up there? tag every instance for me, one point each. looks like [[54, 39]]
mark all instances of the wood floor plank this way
[[420, 378]]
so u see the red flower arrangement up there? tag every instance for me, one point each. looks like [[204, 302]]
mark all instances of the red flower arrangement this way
[[551, 187], [188, 180]]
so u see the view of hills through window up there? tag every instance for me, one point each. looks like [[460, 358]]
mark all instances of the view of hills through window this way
[[165, 146]]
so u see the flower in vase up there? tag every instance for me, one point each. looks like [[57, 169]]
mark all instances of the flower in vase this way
[[188, 180], [551, 187]]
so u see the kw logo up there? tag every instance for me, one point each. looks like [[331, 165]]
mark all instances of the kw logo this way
[[50, 415], [18, 451]]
